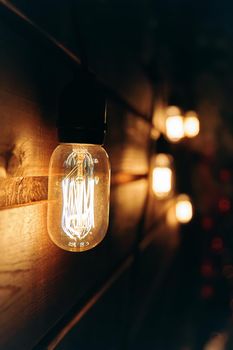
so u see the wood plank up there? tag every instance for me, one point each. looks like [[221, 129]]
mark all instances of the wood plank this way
[[127, 205], [39, 282], [140, 282], [65, 332], [29, 151], [127, 141], [32, 26], [26, 147], [23, 190], [26, 141], [60, 26], [28, 114], [17, 191], [104, 326]]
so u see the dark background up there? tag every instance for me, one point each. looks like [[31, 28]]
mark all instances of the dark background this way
[[150, 286]]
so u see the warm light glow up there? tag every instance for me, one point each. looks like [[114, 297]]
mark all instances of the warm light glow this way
[[78, 196], [162, 175], [155, 134], [78, 208], [3, 172], [174, 124], [173, 110], [184, 209], [162, 181], [191, 124]]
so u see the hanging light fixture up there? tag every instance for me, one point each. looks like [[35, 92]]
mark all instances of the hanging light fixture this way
[[191, 124], [174, 124], [162, 176], [79, 170], [162, 169], [183, 209]]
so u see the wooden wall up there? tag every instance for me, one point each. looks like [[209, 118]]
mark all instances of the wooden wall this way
[[50, 298]]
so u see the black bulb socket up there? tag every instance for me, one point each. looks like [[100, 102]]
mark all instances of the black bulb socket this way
[[82, 111]]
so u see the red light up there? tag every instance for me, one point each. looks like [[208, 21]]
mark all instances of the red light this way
[[217, 245], [207, 223], [225, 175], [207, 269], [224, 205], [207, 292]]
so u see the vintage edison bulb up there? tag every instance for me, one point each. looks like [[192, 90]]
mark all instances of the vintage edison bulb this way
[[174, 124], [191, 124], [184, 209], [162, 175], [79, 185]]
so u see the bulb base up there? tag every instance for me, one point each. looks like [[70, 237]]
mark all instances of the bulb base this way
[[82, 111], [94, 136]]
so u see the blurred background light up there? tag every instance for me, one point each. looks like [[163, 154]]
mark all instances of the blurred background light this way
[[184, 209], [191, 124], [162, 177], [174, 124], [224, 205]]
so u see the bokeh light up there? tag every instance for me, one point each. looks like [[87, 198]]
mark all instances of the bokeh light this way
[[184, 209], [162, 177], [191, 124], [174, 124]]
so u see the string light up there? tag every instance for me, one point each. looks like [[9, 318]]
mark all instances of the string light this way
[[162, 176], [191, 124], [78, 196], [79, 170], [183, 209], [174, 124]]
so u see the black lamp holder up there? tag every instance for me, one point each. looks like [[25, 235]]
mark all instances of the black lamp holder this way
[[82, 111]]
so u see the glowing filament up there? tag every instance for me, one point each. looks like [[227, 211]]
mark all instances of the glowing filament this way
[[78, 195]]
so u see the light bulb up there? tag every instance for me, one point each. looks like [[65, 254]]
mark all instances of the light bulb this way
[[174, 124], [78, 196], [191, 124], [162, 175], [184, 209]]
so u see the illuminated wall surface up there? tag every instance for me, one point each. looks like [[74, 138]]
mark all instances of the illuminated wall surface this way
[[164, 264]]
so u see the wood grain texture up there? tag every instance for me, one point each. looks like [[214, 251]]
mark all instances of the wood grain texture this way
[[39, 282], [26, 141], [127, 141], [23, 190], [17, 191], [97, 328], [104, 326], [117, 310], [26, 147]]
